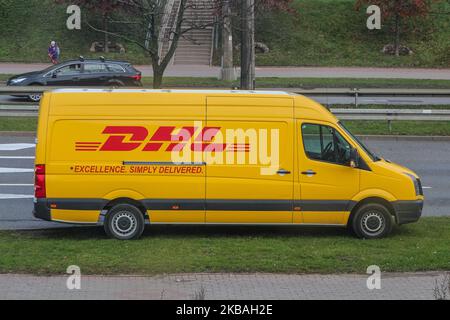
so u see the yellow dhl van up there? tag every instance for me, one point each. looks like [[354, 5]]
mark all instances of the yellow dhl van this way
[[125, 158]]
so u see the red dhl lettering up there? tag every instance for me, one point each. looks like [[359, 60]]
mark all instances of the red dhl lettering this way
[[131, 138]]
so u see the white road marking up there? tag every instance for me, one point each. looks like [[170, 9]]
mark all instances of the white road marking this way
[[427, 187], [15, 170], [16, 185], [16, 146], [15, 196], [4, 157]]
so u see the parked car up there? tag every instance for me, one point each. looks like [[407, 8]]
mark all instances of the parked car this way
[[81, 73]]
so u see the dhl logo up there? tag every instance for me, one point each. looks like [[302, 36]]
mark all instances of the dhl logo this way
[[167, 138]]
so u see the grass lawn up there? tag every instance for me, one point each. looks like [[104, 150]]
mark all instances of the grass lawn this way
[[18, 124], [408, 128], [307, 83], [417, 128], [323, 33], [173, 249], [194, 82]]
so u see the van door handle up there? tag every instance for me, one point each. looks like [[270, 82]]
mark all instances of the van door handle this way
[[309, 173], [283, 172]]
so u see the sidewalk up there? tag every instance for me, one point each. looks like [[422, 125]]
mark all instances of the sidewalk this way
[[416, 286], [282, 72]]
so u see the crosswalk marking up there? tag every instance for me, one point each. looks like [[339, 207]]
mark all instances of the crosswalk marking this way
[[16, 170], [15, 196], [16, 146], [17, 158]]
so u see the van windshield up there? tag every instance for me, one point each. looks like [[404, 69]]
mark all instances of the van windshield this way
[[372, 155]]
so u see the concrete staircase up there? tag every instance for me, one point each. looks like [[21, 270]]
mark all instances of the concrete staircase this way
[[195, 47]]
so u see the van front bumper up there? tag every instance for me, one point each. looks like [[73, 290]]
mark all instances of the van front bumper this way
[[408, 211], [41, 210]]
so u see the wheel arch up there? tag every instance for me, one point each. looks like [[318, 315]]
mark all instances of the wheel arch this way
[[125, 200], [377, 200]]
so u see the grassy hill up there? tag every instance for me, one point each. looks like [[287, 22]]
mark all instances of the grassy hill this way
[[323, 33], [333, 33]]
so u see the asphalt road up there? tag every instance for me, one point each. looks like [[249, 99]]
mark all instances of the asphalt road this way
[[282, 72], [430, 159]]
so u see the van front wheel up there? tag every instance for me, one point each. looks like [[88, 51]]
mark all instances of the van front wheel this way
[[372, 221], [124, 222]]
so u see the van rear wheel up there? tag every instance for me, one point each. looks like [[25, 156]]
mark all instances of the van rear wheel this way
[[124, 222], [372, 221]]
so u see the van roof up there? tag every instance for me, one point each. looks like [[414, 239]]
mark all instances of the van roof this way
[[256, 92]]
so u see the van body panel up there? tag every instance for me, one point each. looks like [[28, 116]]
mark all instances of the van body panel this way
[[252, 175]]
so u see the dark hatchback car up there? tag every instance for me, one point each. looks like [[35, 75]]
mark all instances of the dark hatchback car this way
[[81, 73]]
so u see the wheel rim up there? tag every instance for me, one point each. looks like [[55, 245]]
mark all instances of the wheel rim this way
[[35, 97], [373, 223], [124, 224]]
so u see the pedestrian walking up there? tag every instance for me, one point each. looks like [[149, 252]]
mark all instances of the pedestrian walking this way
[[54, 52]]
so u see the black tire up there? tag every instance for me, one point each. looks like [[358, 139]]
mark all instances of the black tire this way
[[372, 221], [116, 84], [35, 97], [124, 222]]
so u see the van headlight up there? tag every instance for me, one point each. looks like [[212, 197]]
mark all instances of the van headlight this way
[[417, 184]]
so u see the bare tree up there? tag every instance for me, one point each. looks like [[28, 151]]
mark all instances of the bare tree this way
[[150, 23]]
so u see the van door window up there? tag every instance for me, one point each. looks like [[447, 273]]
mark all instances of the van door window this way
[[323, 143]]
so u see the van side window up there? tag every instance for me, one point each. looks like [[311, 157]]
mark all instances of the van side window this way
[[323, 143]]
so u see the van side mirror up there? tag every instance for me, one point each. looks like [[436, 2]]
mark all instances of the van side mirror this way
[[54, 74], [354, 158]]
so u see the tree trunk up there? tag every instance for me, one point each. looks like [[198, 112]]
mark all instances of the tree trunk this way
[[248, 45], [105, 27], [158, 74], [397, 35], [228, 72]]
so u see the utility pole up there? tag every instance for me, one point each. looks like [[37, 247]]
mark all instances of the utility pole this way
[[248, 45], [228, 71]]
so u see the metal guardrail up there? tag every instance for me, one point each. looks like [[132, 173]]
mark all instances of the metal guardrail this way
[[17, 109], [343, 114], [374, 92], [314, 92]]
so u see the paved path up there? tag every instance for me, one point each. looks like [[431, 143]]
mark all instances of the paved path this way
[[417, 286], [427, 157], [283, 72]]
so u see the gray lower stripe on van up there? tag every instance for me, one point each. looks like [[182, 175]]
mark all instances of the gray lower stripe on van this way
[[250, 205], [77, 204], [325, 205], [212, 205], [185, 204]]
